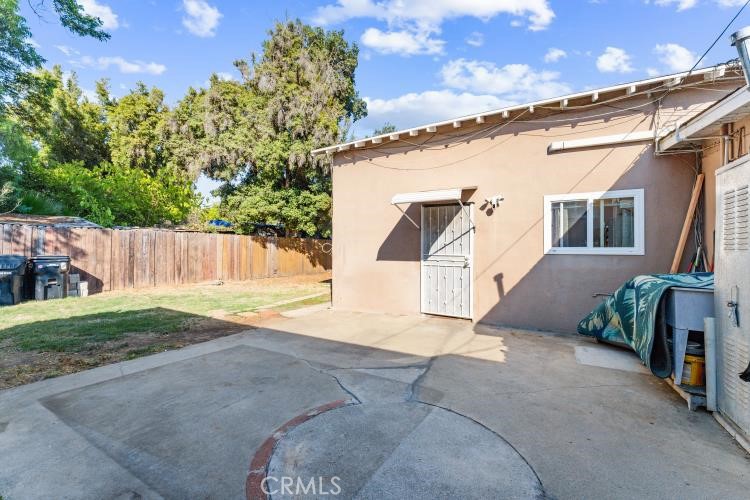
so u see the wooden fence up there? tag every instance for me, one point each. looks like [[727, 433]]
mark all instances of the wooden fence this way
[[117, 259]]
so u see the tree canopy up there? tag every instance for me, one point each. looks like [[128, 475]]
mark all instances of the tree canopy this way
[[256, 135], [133, 160]]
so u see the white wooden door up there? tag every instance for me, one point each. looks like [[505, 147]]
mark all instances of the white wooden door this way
[[732, 292], [446, 262]]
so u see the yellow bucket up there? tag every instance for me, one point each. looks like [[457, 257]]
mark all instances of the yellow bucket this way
[[694, 370]]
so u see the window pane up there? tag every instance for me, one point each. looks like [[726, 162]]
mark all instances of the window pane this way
[[569, 223], [614, 223]]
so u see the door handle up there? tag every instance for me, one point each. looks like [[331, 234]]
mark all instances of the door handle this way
[[734, 315]]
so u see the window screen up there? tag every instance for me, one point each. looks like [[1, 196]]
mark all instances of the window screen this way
[[614, 223]]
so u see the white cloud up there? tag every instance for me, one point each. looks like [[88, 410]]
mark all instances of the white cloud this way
[[689, 4], [68, 51], [123, 65], [201, 18], [554, 55], [653, 72], [514, 82], [538, 13], [104, 12], [681, 4], [33, 43], [415, 24], [404, 43], [476, 39], [90, 95], [614, 60], [425, 107], [222, 76], [675, 57], [469, 87]]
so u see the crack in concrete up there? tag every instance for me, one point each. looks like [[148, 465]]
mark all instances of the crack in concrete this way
[[415, 384], [500, 436], [334, 377]]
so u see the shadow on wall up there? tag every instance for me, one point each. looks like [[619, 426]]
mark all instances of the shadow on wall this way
[[403, 242], [557, 291]]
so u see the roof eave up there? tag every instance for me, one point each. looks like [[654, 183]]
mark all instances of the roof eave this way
[[696, 128], [712, 72]]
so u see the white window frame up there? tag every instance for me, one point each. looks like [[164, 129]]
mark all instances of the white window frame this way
[[639, 219]]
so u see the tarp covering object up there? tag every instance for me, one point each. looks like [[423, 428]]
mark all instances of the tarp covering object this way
[[633, 317]]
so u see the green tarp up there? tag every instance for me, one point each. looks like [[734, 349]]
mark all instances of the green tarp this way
[[632, 317]]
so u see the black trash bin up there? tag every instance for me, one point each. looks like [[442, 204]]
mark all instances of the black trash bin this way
[[12, 269], [48, 277]]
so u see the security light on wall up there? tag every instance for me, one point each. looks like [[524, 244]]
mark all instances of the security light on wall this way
[[495, 201]]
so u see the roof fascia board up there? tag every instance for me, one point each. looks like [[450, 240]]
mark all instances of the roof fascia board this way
[[693, 126], [505, 111]]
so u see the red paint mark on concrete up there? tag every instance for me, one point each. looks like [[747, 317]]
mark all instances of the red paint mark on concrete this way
[[262, 457]]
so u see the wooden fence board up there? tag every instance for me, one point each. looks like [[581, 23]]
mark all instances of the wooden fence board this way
[[139, 258]]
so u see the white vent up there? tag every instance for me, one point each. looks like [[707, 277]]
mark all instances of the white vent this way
[[736, 354], [736, 219]]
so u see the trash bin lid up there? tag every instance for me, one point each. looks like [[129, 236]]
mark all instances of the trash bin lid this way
[[50, 258], [11, 262]]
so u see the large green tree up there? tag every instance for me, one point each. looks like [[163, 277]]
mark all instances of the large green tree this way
[[102, 160], [137, 123], [256, 135], [66, 125], [213, 130]]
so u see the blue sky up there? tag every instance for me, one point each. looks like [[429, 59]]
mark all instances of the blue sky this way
[[420, 60]]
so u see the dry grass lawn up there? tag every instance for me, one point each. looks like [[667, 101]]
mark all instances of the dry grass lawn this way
[[40, 340]]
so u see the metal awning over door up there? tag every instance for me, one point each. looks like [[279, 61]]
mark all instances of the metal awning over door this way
[[435, 196]]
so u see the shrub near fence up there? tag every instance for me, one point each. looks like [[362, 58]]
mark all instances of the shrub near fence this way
[[117, 259]]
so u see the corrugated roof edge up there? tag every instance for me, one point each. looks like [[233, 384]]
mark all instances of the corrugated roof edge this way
[[430, 127]]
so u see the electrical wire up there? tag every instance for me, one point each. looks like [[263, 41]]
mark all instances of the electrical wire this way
[[713, 44], [491, 130], [451, 163]]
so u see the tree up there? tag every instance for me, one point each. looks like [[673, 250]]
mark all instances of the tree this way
[[213, 130], [257, 135], [67, 126], [387, 128], [306, 76], [59, 151], [137, 123], [18, 57]]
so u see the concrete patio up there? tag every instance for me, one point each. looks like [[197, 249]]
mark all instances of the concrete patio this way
[[407, 406]]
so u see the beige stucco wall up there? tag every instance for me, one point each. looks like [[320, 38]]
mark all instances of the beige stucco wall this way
[[376, 249]]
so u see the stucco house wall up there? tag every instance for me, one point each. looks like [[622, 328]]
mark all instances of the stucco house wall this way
[[376, 250]]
